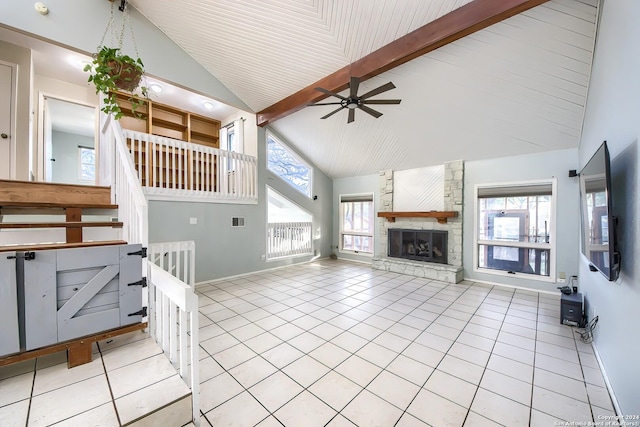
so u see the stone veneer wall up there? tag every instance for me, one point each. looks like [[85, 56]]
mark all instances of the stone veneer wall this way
[[453, 190]]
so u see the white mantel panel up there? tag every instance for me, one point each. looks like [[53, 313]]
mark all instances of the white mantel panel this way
[[420, 189]]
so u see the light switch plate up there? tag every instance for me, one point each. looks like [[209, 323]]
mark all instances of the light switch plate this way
[[193, 221]]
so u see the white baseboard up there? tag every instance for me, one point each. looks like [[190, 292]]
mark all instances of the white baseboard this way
[[614, 399], [222, 279], [524, 288]]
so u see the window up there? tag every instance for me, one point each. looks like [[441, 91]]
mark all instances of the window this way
[[288, 166], [515, 229], [86, 163], [356, 223]]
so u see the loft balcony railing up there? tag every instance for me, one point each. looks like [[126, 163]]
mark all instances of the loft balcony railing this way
[[170, 169], [286, 239]]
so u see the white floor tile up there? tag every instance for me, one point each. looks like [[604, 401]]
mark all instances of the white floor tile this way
[[393, 389], [243, 410], [512, 368], [335, 390], [252, 371], [477, 420], [233, 356], [218, 390], [129, 353], [507, 386], [16, 388], [349, 341], [500, 409], [462, 369], [305, 371], [358, 370], [139, 375], [15, 414], [275, 390], [65, 402], [470, 354], [305, 410], [142, 402], [424, 354], [102, 416], [377, 354], [330, 355], [436, 410], [282, 355], [559, 366], [451, 388], [340, 421], [367, 409], [306, 342], [599, 396], [560, 384], [558, 405]]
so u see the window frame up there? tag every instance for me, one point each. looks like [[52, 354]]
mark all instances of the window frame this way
[[80, 163], [342, 232], [551, 245], [296, 156]]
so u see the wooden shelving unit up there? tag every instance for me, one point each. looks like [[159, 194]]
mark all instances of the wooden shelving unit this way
[[441, 216], [165, 120]]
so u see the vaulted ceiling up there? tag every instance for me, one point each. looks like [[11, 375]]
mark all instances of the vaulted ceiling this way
[[516, 87]]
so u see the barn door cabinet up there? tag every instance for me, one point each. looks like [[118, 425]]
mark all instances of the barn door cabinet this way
[[69, 293]]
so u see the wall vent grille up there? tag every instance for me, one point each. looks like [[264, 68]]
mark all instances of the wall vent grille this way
[[237, 221]]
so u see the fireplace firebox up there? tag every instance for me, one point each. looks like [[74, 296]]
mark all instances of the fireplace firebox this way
[[419, 245]]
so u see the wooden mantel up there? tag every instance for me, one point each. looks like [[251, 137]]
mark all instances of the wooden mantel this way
[[441, 216]]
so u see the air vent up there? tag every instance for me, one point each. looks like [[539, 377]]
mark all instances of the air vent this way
[[237, 221]]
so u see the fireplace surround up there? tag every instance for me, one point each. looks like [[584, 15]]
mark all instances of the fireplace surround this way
[[418, 245]]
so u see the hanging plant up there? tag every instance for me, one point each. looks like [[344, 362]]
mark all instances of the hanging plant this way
[[112, 71]]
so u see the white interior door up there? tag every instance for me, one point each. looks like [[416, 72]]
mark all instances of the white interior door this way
[[6, 118], [48, 143]]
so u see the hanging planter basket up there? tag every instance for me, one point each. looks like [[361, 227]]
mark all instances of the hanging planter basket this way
[[112, 71]]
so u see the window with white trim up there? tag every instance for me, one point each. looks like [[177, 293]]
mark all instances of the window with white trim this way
[[515, 229], [356, 223], [86, 163], [282, 161]]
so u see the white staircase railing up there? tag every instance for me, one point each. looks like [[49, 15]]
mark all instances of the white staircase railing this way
[[289, 239], [168, 167], [173, 304]]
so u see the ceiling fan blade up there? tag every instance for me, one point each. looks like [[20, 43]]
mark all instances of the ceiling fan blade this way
[[332, 113], [324, 103], [328, 92], [378, 90], [371, 111], [352, 116], [354, 83], [382, 101]]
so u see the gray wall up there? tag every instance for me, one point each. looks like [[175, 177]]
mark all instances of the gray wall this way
[[354, 185], [612, 114], [522, 168], [223, 251], [64, 146]]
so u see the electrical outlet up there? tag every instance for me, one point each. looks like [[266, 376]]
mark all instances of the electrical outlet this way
[[193, 221], [561, 280], [263, 257]]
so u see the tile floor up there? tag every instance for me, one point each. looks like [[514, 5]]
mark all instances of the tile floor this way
[[335, 343], [116, 388]]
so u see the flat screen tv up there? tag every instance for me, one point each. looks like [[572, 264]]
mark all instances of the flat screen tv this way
[[598, 222]]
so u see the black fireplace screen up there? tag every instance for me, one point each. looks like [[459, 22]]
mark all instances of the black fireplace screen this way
[[420, 245]]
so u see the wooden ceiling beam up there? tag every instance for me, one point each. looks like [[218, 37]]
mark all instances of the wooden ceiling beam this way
[[472, 17]]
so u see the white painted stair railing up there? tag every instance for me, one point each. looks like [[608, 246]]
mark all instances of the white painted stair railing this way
[[173, 304], [170, 169]]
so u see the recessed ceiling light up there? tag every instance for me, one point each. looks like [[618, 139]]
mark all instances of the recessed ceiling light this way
[[208, 105], [154, 87]]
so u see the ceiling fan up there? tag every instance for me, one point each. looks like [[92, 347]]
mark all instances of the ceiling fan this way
[[354, 101]]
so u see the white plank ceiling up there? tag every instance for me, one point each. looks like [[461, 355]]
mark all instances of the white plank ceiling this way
[[516, 87]]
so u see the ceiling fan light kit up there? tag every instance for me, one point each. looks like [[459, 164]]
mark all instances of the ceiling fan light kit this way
[[353, 101]]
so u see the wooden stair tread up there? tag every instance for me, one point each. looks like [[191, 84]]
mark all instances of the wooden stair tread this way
[[27, 193], [45, 205], [114, 224], [46, 246]]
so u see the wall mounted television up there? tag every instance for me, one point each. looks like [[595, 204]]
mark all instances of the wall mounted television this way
[[598, 222]]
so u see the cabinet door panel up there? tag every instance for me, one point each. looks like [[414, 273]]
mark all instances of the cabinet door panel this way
[[10, 342]]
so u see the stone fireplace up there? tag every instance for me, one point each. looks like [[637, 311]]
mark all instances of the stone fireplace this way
[[417, 258]]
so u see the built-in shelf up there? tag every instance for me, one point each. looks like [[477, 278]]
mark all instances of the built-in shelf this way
[[441, 216]]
